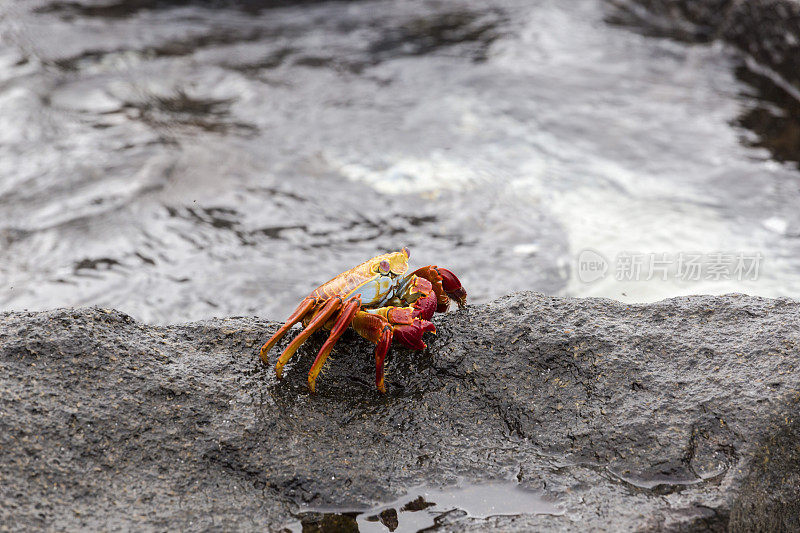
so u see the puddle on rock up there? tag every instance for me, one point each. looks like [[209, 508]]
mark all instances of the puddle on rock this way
[[423, 507], [667, 480]]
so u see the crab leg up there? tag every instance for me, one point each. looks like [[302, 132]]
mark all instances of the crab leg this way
[[383, 325], [304, 307], [381, 349], [375, 328], [316, 323], [342, 323]]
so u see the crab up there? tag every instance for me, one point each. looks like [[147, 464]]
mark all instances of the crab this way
[[380, 301]]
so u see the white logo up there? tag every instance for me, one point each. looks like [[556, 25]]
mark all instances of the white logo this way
[[592, 266]]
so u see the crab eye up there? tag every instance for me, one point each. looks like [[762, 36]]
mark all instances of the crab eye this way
[[384, 267], [405, 251]]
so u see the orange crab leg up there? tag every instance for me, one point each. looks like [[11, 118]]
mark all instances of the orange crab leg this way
[[339, 327], [304, 307], [316, 323]]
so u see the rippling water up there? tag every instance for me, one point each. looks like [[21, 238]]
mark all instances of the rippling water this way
[[180, 160]]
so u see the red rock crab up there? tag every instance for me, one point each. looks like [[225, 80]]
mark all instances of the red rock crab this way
[[380, 301]]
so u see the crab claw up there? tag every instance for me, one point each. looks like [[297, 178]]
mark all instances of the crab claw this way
[[452, 286], [425, 306], [445, 284], [411, 334]]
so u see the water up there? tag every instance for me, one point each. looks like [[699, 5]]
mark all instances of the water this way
[[183, 160], [426, 507]]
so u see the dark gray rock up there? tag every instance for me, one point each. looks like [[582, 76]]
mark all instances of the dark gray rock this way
[[770, 500], [678, 415]]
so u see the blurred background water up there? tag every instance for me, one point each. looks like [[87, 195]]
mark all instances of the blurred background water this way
[[180, 160]]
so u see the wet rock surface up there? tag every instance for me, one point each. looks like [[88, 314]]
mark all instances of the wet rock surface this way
[[677, 415]]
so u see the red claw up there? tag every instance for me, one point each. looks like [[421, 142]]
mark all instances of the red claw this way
[[411, 334], [425, 306], [452, 286]]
